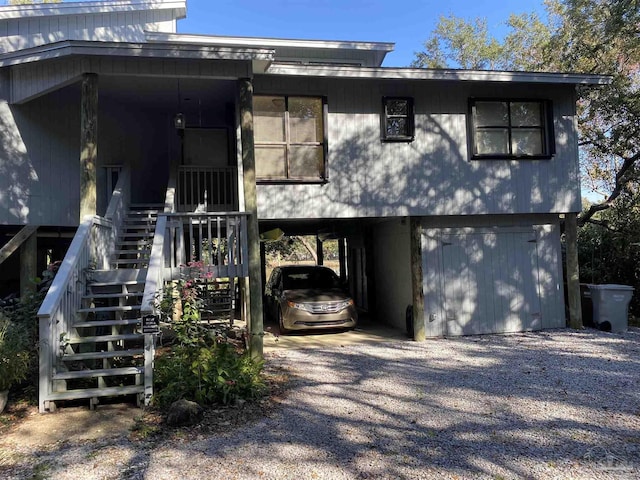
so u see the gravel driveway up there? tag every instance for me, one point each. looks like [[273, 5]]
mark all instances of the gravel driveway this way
[[560, 404]]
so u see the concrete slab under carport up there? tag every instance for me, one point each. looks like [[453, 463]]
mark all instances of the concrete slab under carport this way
[[367, 332]]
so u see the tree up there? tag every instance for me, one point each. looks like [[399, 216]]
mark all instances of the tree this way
[[587, 36]]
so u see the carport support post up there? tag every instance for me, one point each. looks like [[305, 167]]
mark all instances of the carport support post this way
[[573, 270], [417, 280], [343, 260], [319, 251], [28, 265], [256, 327], [88, 144]]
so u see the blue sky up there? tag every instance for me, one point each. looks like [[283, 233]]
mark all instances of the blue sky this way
[[407, 23]]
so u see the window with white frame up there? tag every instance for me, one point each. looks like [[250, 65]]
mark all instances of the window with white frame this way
[[397, 119], [511, 128], [290, 139]]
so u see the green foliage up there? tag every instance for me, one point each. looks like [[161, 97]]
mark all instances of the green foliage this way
[[204, 365], [609, 252], [19, 343], [14, 356], [210, 374]]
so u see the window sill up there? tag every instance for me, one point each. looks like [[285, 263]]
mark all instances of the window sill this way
[[397, 139], [291, 181], [511, 157]]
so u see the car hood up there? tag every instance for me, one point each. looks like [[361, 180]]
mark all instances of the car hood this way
[[316, 295]]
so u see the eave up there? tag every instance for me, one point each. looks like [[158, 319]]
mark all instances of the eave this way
[[79, 8], [383, 73], [123, 49]]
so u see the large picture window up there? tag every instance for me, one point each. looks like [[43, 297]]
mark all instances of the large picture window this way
[[511, 129], [289, 138]]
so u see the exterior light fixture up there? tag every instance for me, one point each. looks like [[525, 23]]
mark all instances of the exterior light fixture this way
[[179, 121]]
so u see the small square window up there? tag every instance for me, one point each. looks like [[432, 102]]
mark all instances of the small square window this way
[[397, 119], [511, 128]]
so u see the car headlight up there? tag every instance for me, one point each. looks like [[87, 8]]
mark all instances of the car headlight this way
[[345, 304], [299, 306]]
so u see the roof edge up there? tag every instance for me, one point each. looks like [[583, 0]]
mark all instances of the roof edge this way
[[268, 42], [79, 8], [438, 74]]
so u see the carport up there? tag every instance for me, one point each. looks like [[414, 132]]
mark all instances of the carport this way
[[377, 277]]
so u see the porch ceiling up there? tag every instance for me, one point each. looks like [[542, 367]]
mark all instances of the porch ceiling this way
[[159, 93]]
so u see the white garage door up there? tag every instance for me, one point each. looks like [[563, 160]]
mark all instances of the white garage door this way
[[491, 282]]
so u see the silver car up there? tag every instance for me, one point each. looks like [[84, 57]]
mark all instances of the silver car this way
[[308, 297]]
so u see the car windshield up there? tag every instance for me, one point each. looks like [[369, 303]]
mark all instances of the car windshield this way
[[317, 278]]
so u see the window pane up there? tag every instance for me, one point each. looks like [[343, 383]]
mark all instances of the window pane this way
[[268, 119], [526, 114], [397, 127], [492, 142], [525, 141], [491, 114], [397, 107], [270, 161], [305, 119], [306, 162]]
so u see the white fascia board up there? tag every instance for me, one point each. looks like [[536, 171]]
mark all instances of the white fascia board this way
[[122, 49], [384, 73], [83, 8], [268, 42]]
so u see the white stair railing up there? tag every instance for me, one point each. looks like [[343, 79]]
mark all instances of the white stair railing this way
[[90, 249], [214, 187]]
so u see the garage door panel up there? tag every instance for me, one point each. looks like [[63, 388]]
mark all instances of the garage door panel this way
[[490, 282]]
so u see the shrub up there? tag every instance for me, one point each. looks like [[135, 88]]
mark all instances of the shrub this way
[[14, 355], [209, 374], [204, 365]]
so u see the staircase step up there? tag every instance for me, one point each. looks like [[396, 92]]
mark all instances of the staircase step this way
[[132, 251], [146, 205], [114, 308], [102, 296], [106, 338], [123, 276], [107, 323], [105, 372], [137, 234], [100, 355], [96, 392]]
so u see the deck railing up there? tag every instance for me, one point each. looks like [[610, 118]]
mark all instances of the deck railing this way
[[90, 249], [207, 188]]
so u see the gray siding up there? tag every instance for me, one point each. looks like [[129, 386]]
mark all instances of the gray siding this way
[[39, 159], [32, 80], [21, 33], [392, 265], [433, 174], [492, 279]]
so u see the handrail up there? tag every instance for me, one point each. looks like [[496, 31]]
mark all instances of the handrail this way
[[18, 239], [67, 268]]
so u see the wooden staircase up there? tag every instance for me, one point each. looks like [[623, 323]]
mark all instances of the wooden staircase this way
[[103, 353]]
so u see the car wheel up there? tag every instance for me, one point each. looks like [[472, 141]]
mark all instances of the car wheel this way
[[283, 330]]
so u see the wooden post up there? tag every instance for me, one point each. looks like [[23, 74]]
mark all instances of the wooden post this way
[[573, 270], [343, 260], [319, 251], [417, 280], [88, 144], [28, 264], [256, 331], [263, 264]]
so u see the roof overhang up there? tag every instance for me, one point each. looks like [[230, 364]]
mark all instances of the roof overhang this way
[[123, 49], [377, 50], [384, 73], [78, 8]]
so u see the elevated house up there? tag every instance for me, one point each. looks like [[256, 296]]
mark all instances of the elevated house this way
[[136, 149]]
